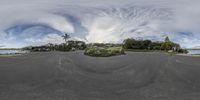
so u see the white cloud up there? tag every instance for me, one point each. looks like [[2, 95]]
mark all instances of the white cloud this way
[[50, 38], [104, 20], [57, 22]]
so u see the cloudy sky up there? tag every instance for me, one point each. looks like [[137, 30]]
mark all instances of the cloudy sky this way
[[37, 22]]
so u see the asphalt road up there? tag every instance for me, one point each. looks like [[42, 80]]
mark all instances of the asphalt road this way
[[73, 76]]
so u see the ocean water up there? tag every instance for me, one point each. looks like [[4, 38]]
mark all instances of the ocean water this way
[[9, 51], [194, 52]]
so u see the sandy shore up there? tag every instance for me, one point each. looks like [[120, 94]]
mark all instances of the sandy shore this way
[[73, 76]]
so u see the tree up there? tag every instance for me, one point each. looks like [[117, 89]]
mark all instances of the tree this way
[[51, 46], [128, 43], [66, 36], [167, 46], [167, 39], [146, 44], [156, 45]]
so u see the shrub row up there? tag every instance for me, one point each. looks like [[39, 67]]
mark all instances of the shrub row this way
[[104, 51]]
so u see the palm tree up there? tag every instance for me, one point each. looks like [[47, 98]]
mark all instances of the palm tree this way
[[65, 37]]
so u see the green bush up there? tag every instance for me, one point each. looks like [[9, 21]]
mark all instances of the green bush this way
[[104, 51], [183, 51], [166, 45]]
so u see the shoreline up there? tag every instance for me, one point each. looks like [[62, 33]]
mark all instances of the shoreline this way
[[186, 55], [189, 55], [9, 55]]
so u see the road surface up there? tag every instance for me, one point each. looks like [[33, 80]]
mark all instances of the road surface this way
[[73, 76]]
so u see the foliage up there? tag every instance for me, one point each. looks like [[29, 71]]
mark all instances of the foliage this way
[[65, 37], [167, 39], [183, 51], [131, 43], [167, 45], [63, 47], [70, 45], [103, 45], [104, 51]]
